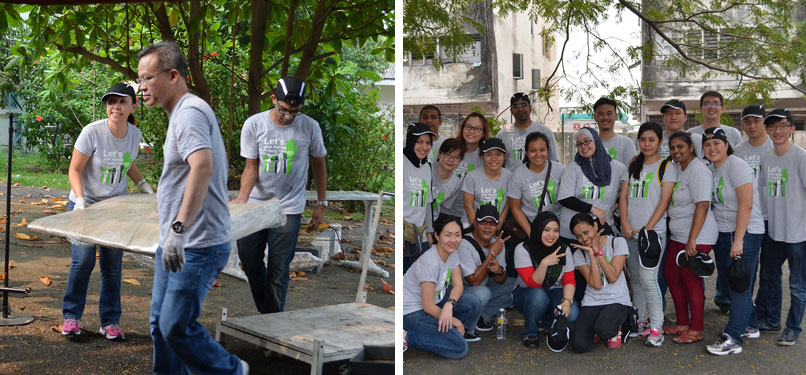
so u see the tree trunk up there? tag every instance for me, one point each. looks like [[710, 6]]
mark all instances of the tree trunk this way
[[258, 31], [199, 81], [309, 52]]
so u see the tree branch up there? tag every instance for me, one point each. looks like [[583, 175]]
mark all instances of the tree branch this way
[[103, 60], [292, 7]]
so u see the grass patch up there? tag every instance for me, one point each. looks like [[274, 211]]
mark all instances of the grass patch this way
[[32, 169]]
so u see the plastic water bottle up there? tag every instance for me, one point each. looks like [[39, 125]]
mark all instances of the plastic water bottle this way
[[501, 322]]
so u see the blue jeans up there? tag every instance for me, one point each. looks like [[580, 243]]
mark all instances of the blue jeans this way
[[537, 305], [422, 330], [497, 295], [646, 293], [269, 282], [181, 344], [742, 311], [81, 266], [769, 299]]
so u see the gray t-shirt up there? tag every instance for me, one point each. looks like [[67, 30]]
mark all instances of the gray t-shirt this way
[[283, 154], [620, 148], [444, 193], [104, 175], [192, 126], [528, 187], [692, 186], [733, 134], [485, 190], [782, 181], [610, 293], [429, 268], [416, 192], [575, 184], [469, 163], [469, 259], [752, 156], [515, 139], [734, 172], [522, 259], [644, 195], [696, 140], [432, 156]]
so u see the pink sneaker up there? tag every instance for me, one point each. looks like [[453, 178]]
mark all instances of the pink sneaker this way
[[70, 327], [615, 342], [112, 332]]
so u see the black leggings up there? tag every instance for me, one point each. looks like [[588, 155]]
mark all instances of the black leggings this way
[[605, 321]]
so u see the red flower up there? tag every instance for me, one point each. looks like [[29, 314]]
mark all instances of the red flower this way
[[214, 54], [39, 118], [384, 137], [148, 148], [372, 174], [188, 78], [204, 57]]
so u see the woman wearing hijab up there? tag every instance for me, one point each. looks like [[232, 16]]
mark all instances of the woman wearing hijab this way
[[735, 202], [589, 185], [102, 163], [546, 277], [416, 192]]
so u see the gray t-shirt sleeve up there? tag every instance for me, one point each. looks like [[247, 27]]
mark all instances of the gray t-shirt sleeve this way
[[248, 140], [190, 138], [468, 258]]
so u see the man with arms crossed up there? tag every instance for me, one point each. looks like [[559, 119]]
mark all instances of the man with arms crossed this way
[[514, 135], [278, 145], [195, 232]]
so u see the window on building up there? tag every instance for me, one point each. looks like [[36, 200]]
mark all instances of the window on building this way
[[472, 55], [517, 65], [535, 79]]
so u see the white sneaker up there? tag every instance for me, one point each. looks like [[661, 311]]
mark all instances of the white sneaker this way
[[655, 338], [244, 367], [751, 333]]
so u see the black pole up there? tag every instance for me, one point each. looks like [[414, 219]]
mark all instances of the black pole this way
[[8, 210]]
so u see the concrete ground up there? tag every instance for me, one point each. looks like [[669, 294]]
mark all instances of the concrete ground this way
[[489, 356], [37, 349]]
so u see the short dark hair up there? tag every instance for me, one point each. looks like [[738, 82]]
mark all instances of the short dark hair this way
[[604, 100], [683, 135], [715, 94], [531, 138], [444, 220], [451, 144], [439, 113], [169, 56]]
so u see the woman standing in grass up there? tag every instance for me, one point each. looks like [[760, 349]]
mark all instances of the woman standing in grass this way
[[102, 163]]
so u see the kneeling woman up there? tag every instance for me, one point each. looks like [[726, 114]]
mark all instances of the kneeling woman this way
[[435, 312], [607, 300], [546, 277]]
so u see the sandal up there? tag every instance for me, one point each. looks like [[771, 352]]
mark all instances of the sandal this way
[[688, 338], [673, 330]]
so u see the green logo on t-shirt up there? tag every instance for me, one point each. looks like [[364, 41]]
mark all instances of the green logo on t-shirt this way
[[676, 185], [612, 152], [717, 193], [114, 175], [282, 160], [776, 182], [439, 199], [593, 192], [417, 198], [640, 188]]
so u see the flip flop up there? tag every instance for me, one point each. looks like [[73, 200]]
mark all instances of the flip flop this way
[[673, 330], [688, 338]]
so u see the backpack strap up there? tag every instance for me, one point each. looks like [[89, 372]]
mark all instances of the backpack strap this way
[[469, 238], [662, 168]]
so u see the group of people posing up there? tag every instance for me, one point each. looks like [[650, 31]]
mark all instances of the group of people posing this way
[[493, 222], [193, 206]]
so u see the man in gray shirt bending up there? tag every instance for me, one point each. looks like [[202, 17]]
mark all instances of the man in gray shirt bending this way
[[195, 232], [278, 145]]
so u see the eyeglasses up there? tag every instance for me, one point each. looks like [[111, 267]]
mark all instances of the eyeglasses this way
[[286, 112], [777, 127], [474, 129], [711, 104], [145, 80], [583, 143], [488, 223], [521, 105], [451, 156]]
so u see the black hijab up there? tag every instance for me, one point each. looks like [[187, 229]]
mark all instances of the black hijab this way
[[597, 168], [415, 130], [534, 245]]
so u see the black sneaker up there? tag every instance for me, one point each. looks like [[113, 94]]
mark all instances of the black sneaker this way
[[724, 307], [472, 337], [483, 325], [531, 341], [766, 327], [788, 338]]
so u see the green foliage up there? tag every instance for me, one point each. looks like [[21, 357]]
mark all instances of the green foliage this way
[[494, 125]]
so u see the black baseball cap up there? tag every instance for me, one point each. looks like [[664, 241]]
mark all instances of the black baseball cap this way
[[491, 143], [738, 275], [755, 110], [418, 129], [649, 248], [777, 114], [518, 96], [674, 103], [290, 90], [120, 89], [700, 264], [486, 211], [559, 334]]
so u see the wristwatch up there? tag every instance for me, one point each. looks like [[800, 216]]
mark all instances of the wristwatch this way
[[321, 203], [599, 253], [178, 227], [452, 301]]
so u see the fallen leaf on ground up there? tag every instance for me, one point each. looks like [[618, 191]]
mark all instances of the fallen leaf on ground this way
[[57, 329], [45, 280], [368, 287], [323, 226], [299, 278], [2, 276], [355, 251], [50, 243], [23, 223], [300, 273], [386, 240], [383, 221], [134, 282], [30, 195], [23, 236], [217, 284], [23, 201], [339, 256], [49, 212], [3, 221], [44, 200], [16, 184], [18, 211], [347, 218], [387, 288], [10, 264]]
